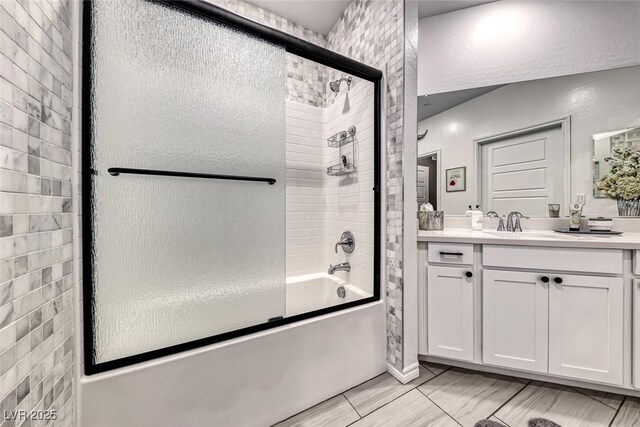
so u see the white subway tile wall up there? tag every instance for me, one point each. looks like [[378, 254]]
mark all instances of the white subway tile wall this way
[[321, 207], [349, 199], [36, 309], [307, 221]]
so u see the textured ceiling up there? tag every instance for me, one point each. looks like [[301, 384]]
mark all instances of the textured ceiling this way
[[317, 15]]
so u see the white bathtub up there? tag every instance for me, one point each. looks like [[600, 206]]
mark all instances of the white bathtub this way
[[311, 292], [251, 381]]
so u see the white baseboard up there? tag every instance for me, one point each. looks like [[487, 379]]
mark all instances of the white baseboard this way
[[407, 374]]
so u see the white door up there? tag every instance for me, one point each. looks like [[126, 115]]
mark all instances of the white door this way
[[585, 328], [450, 312], [515, 320], [423, 185], [524, 173]]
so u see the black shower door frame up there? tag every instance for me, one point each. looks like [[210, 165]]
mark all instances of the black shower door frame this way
[[292, 45]]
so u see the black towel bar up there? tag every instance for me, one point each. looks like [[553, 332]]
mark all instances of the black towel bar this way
[[133, 171]]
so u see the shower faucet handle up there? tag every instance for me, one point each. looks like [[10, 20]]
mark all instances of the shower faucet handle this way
[[347, 242]]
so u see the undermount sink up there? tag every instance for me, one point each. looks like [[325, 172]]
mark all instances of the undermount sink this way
[[532, 235]]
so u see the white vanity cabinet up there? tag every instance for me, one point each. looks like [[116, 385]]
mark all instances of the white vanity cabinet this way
[[551, 310], [450, 311]]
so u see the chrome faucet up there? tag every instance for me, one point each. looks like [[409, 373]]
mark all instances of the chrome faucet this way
[[511, 226], [494, 214], [344, 266]]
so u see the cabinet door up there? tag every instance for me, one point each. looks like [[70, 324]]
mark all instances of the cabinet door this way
[[585, 328], [515, 320], [450, 312]]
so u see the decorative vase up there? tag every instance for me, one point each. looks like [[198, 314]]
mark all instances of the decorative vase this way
[[431, 220], [629, 207]]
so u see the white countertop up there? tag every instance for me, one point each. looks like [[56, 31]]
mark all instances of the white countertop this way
[[531, 238]]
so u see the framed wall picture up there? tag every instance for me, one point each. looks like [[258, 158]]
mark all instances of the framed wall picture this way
[[456, 179]]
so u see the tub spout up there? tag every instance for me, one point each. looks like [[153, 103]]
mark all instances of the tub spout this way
[[345, 266]]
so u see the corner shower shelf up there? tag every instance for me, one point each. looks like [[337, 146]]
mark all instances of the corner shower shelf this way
[[345, 167], [342, 138], [340, 170]]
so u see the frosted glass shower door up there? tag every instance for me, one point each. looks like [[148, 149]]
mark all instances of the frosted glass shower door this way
[[177, 259]]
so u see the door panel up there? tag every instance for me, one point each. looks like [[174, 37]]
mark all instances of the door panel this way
[[450, 312], [515, 315], [524, 173], [585, 328]]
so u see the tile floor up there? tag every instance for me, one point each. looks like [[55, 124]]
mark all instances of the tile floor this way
[[444, 396]]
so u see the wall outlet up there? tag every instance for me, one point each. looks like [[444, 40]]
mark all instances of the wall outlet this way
[[581, 198]]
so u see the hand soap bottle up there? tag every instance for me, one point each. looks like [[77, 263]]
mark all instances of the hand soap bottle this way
[[468, 212], [477, 219]]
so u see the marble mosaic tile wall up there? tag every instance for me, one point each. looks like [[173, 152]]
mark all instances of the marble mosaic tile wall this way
[[36, 309], [372, 32]]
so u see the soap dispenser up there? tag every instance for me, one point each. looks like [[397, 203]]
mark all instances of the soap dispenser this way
[[477, 219], [468, 212]]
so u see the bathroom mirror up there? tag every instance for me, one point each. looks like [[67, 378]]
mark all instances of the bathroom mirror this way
[[525, 145], [603, 145]]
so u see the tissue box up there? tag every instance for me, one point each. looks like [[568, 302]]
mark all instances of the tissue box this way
[[431, 220]]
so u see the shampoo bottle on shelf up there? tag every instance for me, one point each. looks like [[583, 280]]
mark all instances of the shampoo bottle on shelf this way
[[477, 219]]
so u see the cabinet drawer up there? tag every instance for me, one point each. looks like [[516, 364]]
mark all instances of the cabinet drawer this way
[[605, 261], [451, 253]]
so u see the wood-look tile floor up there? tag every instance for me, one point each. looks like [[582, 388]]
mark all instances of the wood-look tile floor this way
[[442, 396]]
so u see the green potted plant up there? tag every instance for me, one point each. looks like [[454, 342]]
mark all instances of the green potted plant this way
[[623, 182]]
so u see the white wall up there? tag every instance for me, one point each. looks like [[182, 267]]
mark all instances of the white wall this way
[[506, 42], [597, 102]]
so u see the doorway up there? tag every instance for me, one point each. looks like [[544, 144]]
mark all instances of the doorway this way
[[428, 178]]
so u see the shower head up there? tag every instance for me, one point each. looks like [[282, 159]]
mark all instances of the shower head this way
[[335, 85]]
